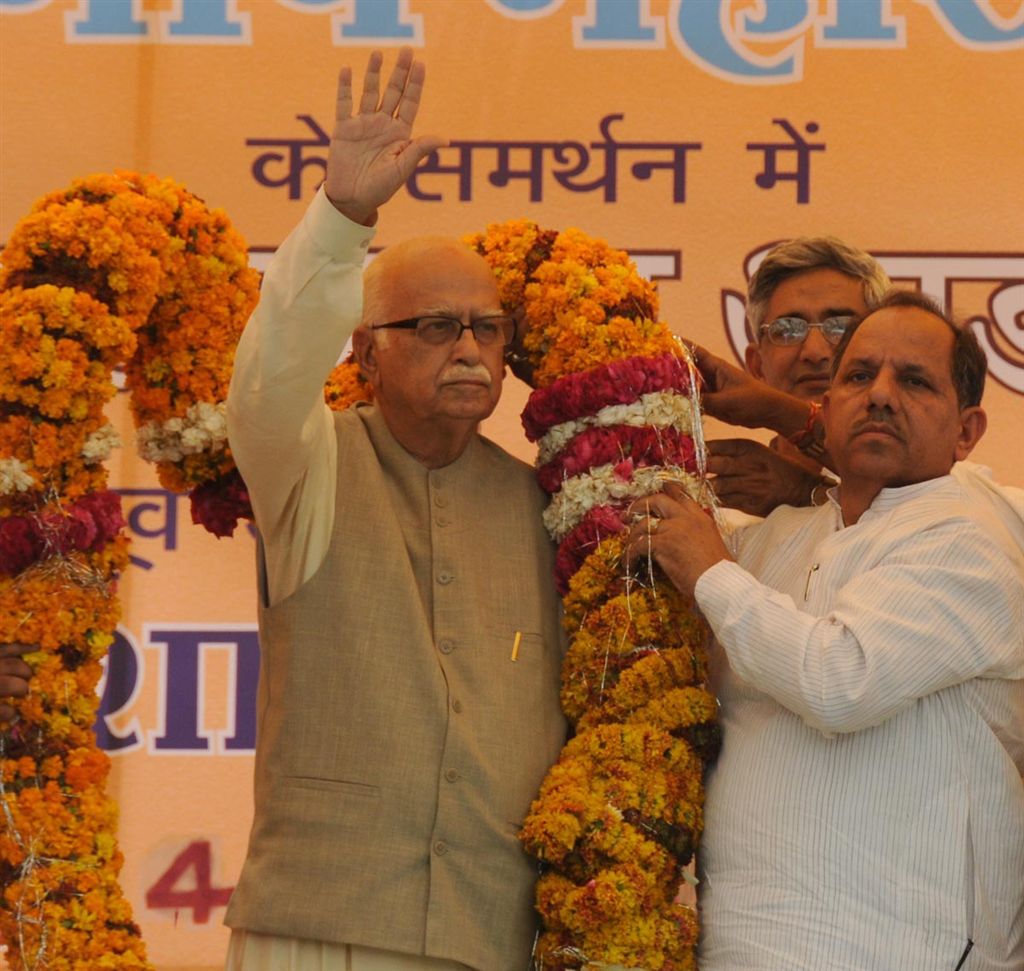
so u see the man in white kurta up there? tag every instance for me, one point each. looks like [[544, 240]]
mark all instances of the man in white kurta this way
[[867, 810], [803, 294]]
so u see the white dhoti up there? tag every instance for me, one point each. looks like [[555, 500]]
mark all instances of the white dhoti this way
[[263, 952]]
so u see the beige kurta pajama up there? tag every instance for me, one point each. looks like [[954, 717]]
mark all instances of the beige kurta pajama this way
[[399, 744]]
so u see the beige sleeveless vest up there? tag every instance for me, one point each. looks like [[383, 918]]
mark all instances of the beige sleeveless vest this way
[[399, 743]]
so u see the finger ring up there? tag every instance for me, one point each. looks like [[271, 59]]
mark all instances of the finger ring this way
[[653, 524]]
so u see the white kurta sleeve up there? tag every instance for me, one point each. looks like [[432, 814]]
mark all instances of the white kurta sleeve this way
[[943, 607], [279, 428]]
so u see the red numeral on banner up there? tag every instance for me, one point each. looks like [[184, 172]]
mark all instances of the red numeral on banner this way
[[198, 895]]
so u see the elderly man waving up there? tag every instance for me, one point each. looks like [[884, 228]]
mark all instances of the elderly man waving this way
[[400, 738]]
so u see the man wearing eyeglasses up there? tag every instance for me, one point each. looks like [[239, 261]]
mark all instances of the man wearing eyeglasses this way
[[409, 631], [800, 301]]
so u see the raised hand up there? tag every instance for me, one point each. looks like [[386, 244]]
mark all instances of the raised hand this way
[[372, 152]]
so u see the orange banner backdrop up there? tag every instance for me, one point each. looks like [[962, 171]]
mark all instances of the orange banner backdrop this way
[[693, 133]]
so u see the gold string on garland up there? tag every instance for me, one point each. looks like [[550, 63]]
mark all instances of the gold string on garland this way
[[116, 269], [620, 814]]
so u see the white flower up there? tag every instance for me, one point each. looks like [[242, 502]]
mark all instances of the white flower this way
[[100, 444], [203, 429], [659, 409], [14, 477], [212, 419], [601, 485], [193, 440]]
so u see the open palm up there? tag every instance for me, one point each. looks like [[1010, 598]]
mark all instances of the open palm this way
[[373, 152]]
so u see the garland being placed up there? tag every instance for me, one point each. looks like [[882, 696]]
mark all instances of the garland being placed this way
[[116, 269], [614, 414]]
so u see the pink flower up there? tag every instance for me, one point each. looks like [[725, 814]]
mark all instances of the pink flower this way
[[585, 393], [599, 523], [78, 530], [623, 470], [20, 544], [85, 526], [643, 445], [88, 525], [218, 505], [105, 508]]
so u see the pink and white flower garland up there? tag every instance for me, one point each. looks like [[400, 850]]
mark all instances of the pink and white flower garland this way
[[605, 438]]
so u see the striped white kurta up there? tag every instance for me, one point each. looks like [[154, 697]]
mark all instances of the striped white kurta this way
[[867, 810]]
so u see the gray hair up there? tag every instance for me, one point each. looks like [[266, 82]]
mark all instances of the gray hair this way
[[805, 253]]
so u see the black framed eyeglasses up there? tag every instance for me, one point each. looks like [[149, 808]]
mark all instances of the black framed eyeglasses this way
[[436, 329], [787, 331]]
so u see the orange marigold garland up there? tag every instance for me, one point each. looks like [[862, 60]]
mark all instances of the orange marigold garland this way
[[176, 272], [346, 386], [128, 257], [120, 268], [615, 415]]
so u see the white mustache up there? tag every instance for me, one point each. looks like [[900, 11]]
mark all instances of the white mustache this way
[[465, 372]]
